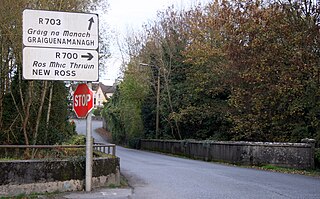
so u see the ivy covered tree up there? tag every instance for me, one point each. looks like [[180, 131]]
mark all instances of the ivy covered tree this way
[[123, 110]]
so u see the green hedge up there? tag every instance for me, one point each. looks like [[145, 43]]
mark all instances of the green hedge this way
[[317, 158]]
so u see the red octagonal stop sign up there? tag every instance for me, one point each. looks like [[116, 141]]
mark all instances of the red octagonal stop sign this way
[[82, 100]]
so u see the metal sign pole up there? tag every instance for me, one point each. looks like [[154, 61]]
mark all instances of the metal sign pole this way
[[89, 150]]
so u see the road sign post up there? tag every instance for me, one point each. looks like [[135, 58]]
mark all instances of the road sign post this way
[[83, 105], [64, 46], [89, 149]]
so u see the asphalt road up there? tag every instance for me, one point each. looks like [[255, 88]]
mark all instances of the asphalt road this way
[[81, 128], [156, 176]]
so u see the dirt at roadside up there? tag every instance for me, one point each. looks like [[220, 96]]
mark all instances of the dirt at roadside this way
[[107, 136]]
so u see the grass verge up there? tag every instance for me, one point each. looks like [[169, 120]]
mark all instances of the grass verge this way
[[309, 172], [53, 195]]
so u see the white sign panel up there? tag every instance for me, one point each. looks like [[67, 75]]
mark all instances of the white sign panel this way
[[60, 29], [60, 46], [60, 64]]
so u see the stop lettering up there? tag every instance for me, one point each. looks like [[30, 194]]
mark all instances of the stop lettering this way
[[82, 100]]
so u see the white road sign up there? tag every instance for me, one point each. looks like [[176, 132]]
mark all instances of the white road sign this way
[[60, 64], [60, 29], [60, 46]]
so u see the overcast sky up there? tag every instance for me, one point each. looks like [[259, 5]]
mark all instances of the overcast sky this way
[[124, 15]]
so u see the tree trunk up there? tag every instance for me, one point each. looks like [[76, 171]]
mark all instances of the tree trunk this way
[[27, 113], [43, 96], [36, 130], [48, 113], [1, 83], [171, 106], [20, 91], [1, 107]]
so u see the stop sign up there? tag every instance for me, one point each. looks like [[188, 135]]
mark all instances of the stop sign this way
[[82, 100]]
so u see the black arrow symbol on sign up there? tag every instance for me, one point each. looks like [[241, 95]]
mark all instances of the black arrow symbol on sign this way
[[91, 21], [89, 56]]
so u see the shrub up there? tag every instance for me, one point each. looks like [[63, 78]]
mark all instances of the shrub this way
[[76, 140], [317, 158]]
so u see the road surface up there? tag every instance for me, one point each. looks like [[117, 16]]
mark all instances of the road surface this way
[[156, 176]]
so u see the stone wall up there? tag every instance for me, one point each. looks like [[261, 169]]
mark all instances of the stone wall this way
[[38, 176], [292, 155]]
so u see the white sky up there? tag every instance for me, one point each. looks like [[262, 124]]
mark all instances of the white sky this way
[[124, 15]]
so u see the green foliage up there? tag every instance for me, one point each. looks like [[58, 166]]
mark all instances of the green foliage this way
[[97, 111], [317, 158], [76, 140], [59, 125], [112, 115], [123, 112], [230, 70]]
